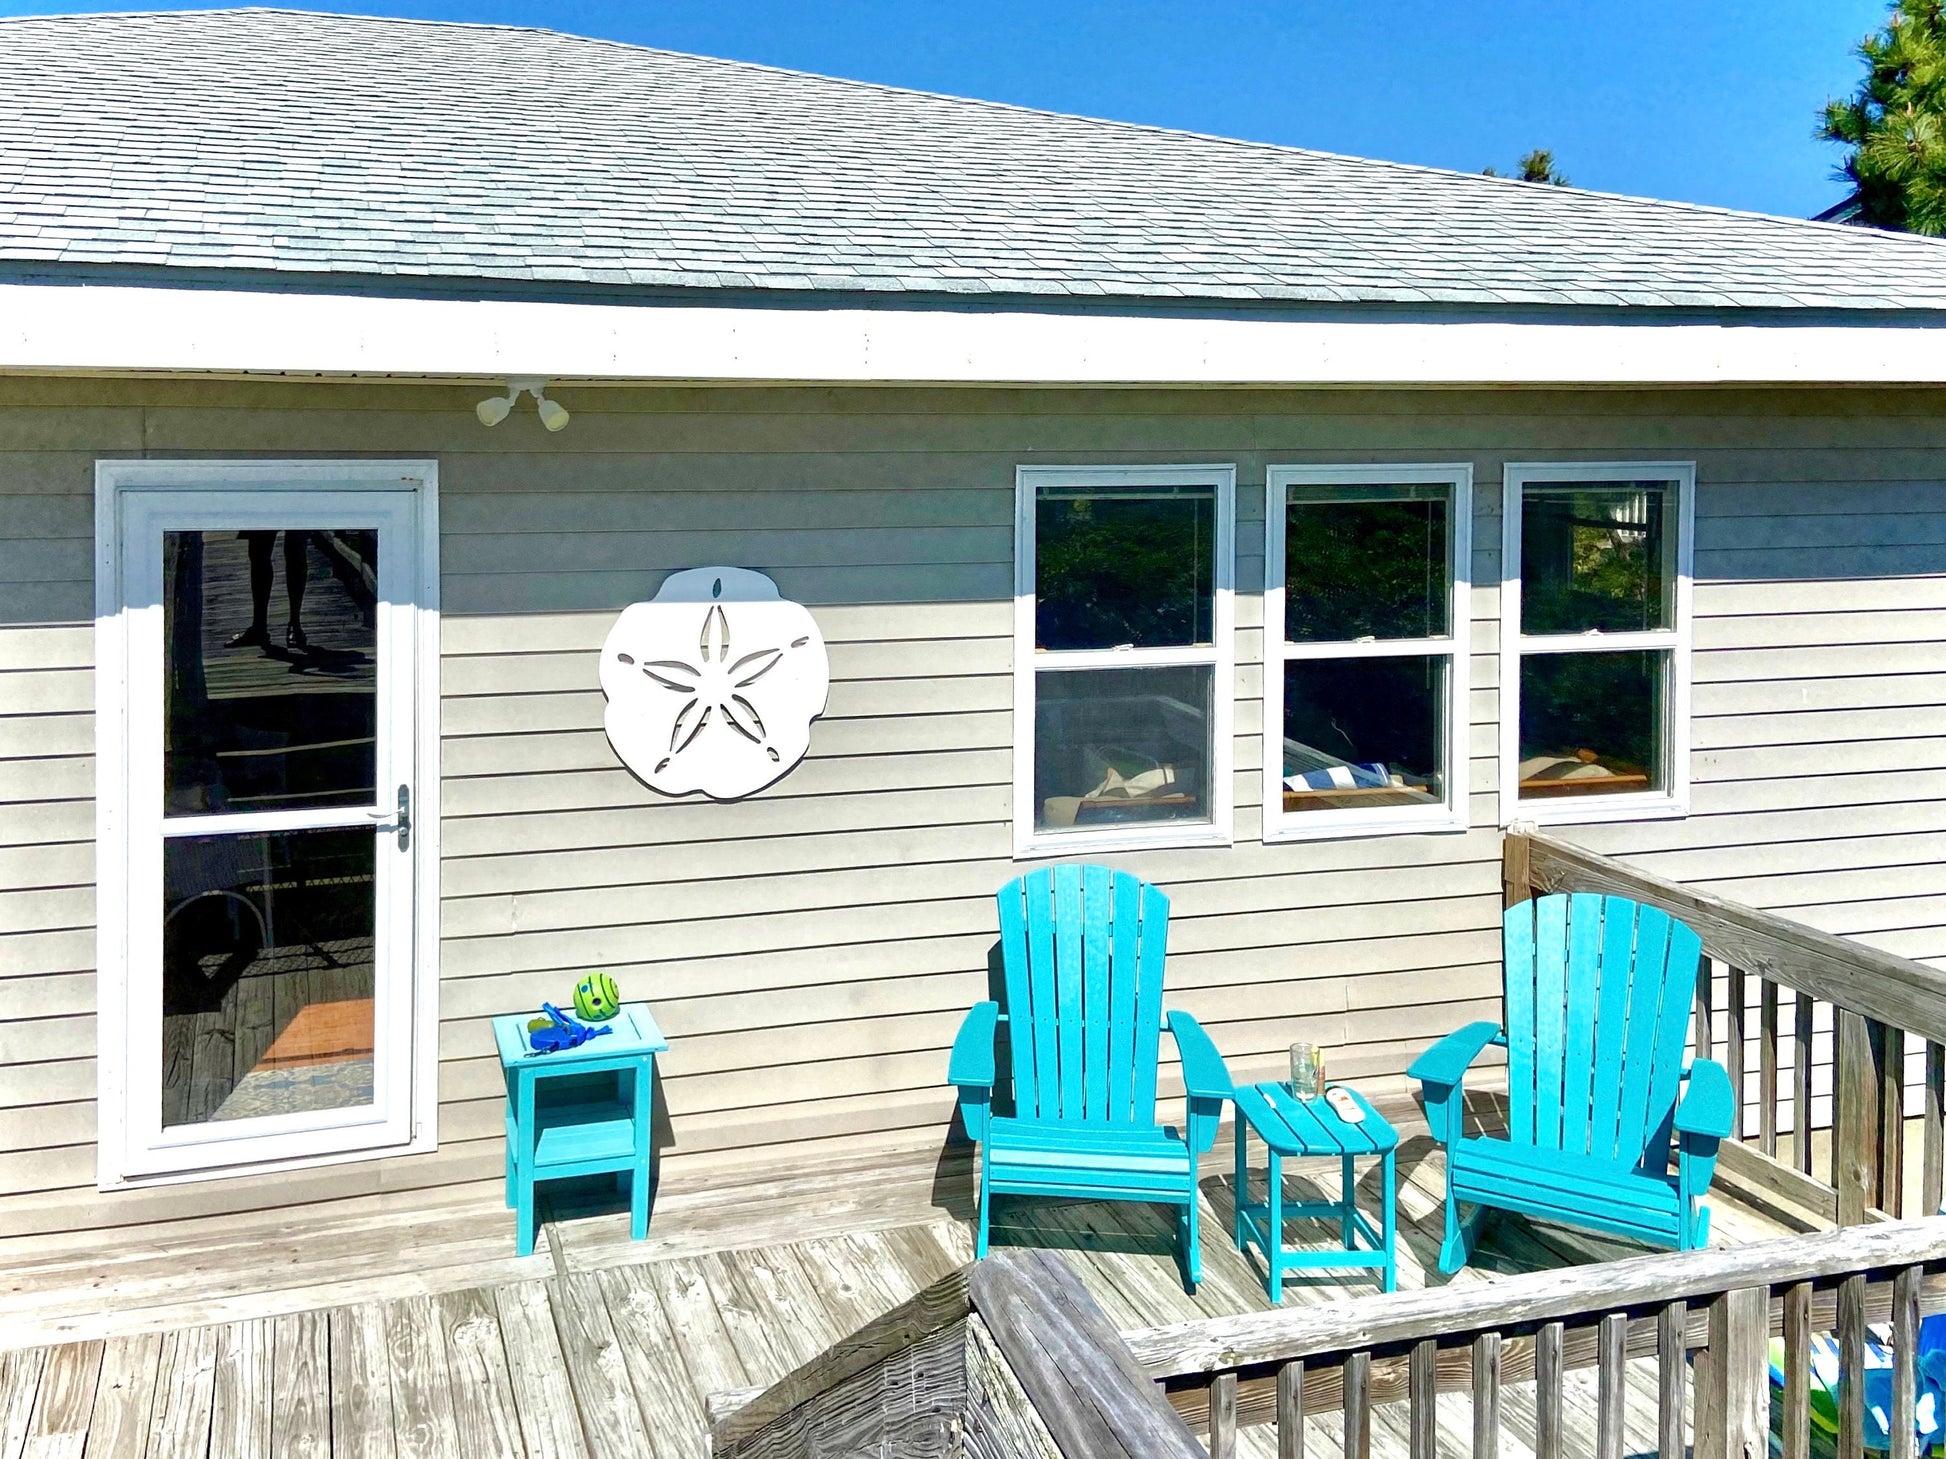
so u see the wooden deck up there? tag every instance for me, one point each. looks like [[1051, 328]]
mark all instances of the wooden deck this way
[[397, 1335]]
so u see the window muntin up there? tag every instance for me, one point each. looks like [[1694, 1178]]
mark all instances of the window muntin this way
[[1596, 640], [1365, 620], [1123, 656]]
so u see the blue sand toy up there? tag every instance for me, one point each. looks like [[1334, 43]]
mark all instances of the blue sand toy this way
[[562, 1032]]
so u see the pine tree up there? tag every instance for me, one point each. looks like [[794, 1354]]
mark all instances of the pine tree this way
[[1895, 124], [1536, 166]]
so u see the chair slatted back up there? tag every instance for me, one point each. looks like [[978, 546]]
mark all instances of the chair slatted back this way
[[1084, 949], [1599, 998]]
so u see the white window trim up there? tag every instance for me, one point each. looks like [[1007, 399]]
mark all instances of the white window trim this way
[[1221, 653], [1280, 825], [1678, 640], [113, 478]]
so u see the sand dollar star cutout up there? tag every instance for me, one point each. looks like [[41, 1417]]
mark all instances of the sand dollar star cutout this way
[[713, 683]]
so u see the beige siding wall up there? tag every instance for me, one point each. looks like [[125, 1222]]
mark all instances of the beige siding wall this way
[[811, 950]]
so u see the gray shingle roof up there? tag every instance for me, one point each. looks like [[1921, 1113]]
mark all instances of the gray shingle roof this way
[[282, 140]]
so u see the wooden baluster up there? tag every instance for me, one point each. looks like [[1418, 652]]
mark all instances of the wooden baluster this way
[[1486, 1396], [1733, 1013], [1796, 1426], [1422, 1399], [1933, 1174], [1611, 1379], [1855, 1130], [1733, 1385], [1905, 1352], [1358, 1406], [1801, 1083], [1851, 1367], [1547, 1391], [1223, 1416], [1671, 1370], [1890, 1053], [1703, 1036], [1290, 1411], [1767, 1067]]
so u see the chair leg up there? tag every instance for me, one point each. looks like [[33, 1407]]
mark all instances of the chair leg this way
[[1192, 1250], [1240, 1192], [986, 1205], [1388, 1225], [1453, 1252]]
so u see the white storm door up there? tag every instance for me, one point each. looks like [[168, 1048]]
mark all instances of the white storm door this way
[[269, 736]]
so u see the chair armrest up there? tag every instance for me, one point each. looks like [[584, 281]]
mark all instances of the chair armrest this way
[[971, 1066], [1706, 1107], [1204, 1074], [1447, 1061]]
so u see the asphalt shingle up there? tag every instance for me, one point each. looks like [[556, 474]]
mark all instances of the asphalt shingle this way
[[343, 145]]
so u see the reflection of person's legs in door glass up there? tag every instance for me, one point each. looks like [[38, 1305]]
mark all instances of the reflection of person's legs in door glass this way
[[296, 575]]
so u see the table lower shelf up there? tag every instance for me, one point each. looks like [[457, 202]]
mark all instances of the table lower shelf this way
[[580, 1139]]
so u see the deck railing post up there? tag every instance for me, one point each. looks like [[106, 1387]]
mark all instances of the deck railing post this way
[[1855, 1129], [1733, 1384], [1516, 875]]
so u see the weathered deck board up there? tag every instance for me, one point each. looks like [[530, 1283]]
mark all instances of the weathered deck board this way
[[241, 1392], [362, 1425], [486, 1417], [611, 1417], [537, 1370], [118, 1428], [300, 1377]]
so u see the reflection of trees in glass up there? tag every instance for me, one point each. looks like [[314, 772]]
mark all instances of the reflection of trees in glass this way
[[1374, 568], [1123, 569], [1591, 559], [1609, 703]]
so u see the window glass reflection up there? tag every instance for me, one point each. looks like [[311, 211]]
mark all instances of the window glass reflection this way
[[1364, 733], [270, 649], [1113, 746], [1592, 723], [267, 986], [1124, 566], [1597, 557], [1366, 562]]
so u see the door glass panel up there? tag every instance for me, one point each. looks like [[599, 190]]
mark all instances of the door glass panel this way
[[270, 648], [267, 974]]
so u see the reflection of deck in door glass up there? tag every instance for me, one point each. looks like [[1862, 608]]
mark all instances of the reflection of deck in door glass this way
[[271, 683]]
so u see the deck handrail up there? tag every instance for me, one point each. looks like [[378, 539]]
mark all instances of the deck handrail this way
[[1868, 999], [1721, 1304]]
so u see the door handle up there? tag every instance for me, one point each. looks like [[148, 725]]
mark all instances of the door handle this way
[[401, 821]]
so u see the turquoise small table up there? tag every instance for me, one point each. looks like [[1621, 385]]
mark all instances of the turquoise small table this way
[[1295, 1127], [593, 1120]]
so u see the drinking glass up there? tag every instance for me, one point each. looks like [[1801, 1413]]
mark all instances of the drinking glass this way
[[1307, 1071]]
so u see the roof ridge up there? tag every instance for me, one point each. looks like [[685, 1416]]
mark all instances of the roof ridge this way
[[1020, 108]]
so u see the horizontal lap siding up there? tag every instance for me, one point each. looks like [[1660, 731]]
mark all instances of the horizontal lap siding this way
[[810, 950]]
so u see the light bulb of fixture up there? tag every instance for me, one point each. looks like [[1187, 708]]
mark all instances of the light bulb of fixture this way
[[494, 409], [553, 415]]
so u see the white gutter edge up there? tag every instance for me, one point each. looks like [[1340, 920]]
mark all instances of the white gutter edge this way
[[70, 328]]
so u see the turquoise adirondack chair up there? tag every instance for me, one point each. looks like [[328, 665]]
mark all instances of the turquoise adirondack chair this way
[[1599, 996], [1083, 948]]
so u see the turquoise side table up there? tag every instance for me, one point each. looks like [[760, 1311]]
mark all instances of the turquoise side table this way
[[583, 1111], [1290, 1126]]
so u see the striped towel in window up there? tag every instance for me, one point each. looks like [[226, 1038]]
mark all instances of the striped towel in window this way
[[1370, 773]]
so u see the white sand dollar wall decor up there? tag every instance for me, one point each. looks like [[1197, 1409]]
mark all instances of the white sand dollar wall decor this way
[[713, 683]]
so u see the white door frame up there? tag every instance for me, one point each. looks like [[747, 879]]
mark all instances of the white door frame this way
[[125, 1159]]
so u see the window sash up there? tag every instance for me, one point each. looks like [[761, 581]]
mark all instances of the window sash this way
[[1030, 660], [1323, 485], [1676, 640]]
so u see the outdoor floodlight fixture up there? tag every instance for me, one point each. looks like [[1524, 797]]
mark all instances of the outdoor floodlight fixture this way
[[496, 408]]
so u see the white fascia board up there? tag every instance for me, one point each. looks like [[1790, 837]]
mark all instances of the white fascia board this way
[[120, 329]]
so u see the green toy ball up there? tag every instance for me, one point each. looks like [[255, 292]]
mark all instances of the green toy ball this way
[[596, 998]]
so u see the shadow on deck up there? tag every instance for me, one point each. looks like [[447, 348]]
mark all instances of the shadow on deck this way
[[422, 1334]]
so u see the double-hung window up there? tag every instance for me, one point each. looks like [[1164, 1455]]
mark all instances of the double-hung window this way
[[1365, 625], [1595, 641], [1122, 656]]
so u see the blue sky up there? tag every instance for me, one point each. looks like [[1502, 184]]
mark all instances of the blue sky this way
[[1710, 101]]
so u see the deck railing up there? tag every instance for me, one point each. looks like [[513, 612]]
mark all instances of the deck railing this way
[[1786, 1008], [1720, 1306]]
